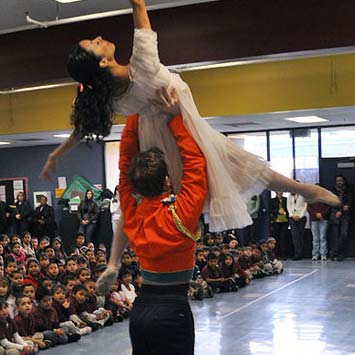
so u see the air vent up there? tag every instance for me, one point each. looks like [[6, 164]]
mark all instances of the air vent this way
[[241, 124], [30, 140]]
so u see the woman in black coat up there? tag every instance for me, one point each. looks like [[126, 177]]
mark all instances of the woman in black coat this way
[[23, 214], [88, 213], [44, 219]]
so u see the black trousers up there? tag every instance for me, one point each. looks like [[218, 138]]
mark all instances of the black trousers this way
[[338, 235], [297, 231], [161, 322], [280, 233]]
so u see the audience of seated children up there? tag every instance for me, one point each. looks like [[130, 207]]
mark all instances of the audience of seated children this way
[[48, 298]]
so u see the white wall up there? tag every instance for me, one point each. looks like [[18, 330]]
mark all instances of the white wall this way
[[112, 151]]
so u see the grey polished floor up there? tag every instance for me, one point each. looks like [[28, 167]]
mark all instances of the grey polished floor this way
[[308, 310]]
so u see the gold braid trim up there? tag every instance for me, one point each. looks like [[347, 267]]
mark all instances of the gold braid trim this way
[[181, 228]]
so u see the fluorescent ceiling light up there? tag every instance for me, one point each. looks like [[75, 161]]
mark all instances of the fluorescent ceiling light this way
[[67, 1], [306, 119], [4, 143], [64, 135]]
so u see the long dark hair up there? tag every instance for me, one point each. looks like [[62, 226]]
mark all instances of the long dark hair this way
[[86, 196], [227, 271], [93, 111]]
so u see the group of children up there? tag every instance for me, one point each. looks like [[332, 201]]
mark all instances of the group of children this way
[[222, 266], [48, 298]]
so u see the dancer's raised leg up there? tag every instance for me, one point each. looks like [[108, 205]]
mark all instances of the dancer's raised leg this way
[[311, 193]]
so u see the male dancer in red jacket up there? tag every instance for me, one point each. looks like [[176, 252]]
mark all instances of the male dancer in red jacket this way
[[161, 229]]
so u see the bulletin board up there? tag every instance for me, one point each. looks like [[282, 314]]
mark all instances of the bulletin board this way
[[10, 187]]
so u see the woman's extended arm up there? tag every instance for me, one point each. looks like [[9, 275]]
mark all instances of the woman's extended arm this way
[[51, 163], [140, 15]]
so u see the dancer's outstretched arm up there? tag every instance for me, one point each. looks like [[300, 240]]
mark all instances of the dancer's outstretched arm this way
[[51, 163], [119, 244], [140, 15]]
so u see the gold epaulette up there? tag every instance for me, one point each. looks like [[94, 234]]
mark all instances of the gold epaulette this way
[[180, 227]]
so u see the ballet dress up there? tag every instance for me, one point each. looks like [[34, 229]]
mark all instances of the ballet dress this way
[[234, 175]]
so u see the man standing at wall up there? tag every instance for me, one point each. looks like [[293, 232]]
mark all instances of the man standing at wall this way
[[319, 213], [5, 212], [279, 220], [339, 218], [297, 207]]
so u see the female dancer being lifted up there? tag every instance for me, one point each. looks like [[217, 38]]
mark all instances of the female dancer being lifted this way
[[107, 87]]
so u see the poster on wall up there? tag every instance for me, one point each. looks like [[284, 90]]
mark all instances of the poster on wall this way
[[18, 187], [2, 193], [10, 187], [62, 182]]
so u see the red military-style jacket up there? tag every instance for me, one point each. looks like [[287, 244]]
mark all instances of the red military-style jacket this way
[[165, 254]]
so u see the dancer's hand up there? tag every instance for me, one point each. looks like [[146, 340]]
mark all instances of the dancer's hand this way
[[49, 166], [167, 101], [137, 2], [27, 348]]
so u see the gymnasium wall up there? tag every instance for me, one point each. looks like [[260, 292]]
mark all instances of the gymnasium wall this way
[[85, 160]]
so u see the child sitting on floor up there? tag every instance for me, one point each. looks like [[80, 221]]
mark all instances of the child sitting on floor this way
[[77, 300], [127, 286], [29, 291], [10, 340], [25, 323], [213, 276], [117, 302], [276, 264], [46, 319], [17, 253], [90, 310], [62, 306]]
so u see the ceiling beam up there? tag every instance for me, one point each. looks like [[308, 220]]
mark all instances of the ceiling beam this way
[[214, 31]]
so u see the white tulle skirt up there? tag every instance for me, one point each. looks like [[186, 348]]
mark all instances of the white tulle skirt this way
[[234, 175]]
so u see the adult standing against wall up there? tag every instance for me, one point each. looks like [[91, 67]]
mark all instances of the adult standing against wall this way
[[23, 213], [88, 213], [319, 213], [297, 208], [340, 218], [44, 219], [280, 223], [253, 206], [115, 208], [5, 212]]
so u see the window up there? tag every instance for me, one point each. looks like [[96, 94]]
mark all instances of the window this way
[[338, 142], [281, 157], [112, 150], [254, 142], [306, 151]]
